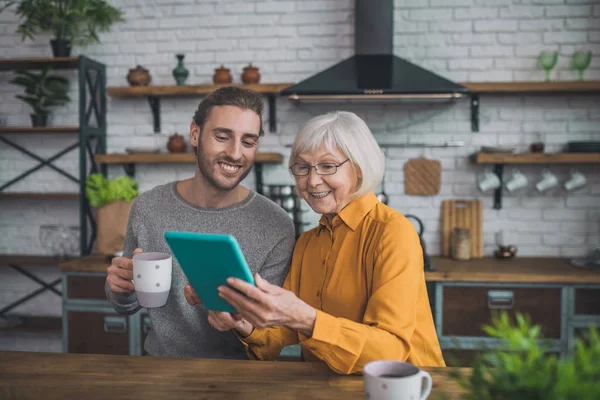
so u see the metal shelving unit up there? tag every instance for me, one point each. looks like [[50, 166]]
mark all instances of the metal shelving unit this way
[[91, 133]]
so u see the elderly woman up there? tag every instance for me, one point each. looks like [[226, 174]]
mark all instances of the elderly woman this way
[[356, 290]]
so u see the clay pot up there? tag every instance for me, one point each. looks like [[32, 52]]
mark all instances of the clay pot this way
[[176, 144], [222, 76], [250, 75], [139, 76]]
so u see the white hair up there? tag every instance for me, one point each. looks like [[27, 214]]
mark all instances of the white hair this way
[[347, 132]]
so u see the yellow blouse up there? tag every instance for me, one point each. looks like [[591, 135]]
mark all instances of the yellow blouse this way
[[364, 276]]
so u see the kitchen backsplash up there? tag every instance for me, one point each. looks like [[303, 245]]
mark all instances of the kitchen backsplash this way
[[463, 40]]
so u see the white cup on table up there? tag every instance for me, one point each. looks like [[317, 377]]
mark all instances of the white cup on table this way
[[152, 278], [395, 380]]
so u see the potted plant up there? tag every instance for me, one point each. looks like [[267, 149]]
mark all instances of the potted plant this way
[[112, 200], [42, 91], [523, 369], [71, 21]]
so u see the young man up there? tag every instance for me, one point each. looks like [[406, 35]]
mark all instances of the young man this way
[[224, 134]]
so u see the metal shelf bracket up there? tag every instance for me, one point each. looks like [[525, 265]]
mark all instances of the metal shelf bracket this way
[[498, 170], [154, 102], [474, 112]]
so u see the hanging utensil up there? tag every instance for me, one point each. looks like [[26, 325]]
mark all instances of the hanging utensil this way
[[382, 196]]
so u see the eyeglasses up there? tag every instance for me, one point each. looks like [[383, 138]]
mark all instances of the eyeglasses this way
[[320, 168]]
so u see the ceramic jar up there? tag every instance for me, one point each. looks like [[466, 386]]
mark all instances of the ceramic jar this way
[[139, 76], [222, 76], [250, 75], [176, 144]]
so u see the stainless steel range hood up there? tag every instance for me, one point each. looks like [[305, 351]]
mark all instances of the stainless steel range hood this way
[[374, 73]]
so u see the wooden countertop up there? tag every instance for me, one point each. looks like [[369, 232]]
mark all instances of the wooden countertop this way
[[25, 375], [517, 270]]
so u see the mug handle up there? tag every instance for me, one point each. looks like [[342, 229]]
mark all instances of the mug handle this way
[[428, 383]]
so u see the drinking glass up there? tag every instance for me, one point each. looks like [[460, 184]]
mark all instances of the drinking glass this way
[[547, 60], [580, 61]]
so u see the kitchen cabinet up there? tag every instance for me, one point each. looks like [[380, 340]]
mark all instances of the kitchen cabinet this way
[[562, 299]]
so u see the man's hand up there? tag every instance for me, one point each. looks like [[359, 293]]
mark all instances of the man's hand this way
[[120, 274]]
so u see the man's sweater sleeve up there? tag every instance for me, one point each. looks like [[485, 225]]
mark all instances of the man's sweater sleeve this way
[[277, 263], [126, 303]]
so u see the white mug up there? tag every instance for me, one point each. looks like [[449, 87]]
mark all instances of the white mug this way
[[548, 181], [387, 380], [489, 181], [577, 181], [152, 278], [518, 181]]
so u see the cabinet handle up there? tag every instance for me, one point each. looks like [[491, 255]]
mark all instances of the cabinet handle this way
[[146, 324], [501, 299], [115, 324]]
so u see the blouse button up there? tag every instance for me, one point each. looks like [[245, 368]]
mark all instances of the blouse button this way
[[318, 293]]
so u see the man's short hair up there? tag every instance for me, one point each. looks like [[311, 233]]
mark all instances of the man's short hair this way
[[229, 96]]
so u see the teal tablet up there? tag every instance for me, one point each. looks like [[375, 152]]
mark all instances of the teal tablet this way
[[208, 260]]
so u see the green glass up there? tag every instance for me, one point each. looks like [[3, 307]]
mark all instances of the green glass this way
[[547, 61], [580, 61], [180, 73]]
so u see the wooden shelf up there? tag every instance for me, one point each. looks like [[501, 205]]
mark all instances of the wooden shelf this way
[[537, 158], [534, 87], [187, 90], [31, 195], [172, 158], [154, 94], [12, 64], [38, 129]]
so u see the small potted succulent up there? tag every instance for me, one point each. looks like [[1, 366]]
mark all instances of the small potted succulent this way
[[42, 91], [71, 21]]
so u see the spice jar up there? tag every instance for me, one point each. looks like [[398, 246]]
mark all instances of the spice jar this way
[[461, 244]]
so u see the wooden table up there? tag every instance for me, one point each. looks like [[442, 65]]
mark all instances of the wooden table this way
[[76, 376]]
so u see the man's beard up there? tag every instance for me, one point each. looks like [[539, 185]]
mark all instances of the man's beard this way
[[207, 171]]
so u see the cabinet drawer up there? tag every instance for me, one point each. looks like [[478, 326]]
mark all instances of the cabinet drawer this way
[[467, 308], [98, 333], [587, 301], [86, 287]]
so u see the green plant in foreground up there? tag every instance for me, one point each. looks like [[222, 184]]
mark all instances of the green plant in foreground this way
[[523, 369], [42, 90], [100, 191]]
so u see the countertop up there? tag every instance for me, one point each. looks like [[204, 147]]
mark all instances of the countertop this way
[[517, 270], [25, 375]]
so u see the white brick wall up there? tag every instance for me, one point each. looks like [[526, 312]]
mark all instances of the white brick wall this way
[[467, 40]]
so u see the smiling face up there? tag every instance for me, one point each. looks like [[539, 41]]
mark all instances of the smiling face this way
[[326, 194], [226, 146]]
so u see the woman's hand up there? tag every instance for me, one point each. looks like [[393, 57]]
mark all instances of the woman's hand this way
[[266, 305], [224, 321], [221, 321]]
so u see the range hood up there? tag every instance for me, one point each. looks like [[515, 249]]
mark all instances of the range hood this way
[[374, 72]]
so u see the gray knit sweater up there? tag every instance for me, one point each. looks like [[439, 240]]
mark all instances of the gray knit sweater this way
[[266, 236]]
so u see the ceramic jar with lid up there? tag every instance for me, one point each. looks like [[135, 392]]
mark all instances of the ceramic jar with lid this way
[[176, 144], [250, 75], [139, 76], [222, 76]]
